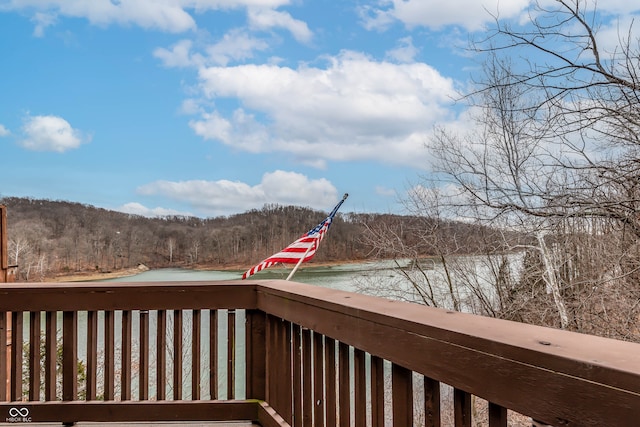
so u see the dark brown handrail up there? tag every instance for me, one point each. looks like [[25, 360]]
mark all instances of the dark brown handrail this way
[[303, 348], [555, 376]]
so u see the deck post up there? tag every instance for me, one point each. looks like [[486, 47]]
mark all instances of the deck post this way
[[4, 255], [5, 327]]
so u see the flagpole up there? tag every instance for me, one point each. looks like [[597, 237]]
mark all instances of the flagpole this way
[[335, 210], [300, 262]]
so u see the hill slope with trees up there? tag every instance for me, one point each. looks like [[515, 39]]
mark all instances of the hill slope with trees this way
[[48, 238]]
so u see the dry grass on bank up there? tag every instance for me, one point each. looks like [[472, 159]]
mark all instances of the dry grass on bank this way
[[96, 275]]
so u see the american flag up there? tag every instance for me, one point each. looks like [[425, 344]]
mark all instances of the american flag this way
[[303, 249]]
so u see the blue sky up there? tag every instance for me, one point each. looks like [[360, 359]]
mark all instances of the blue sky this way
[[215, 107]]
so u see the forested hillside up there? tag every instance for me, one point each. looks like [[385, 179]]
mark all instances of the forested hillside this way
[[51, 237]]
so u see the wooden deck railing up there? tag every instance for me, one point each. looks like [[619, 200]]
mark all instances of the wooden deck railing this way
[[280, 353]]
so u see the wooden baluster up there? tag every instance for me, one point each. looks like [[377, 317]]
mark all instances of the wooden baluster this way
[[143, 373], [307, 393], [50, 355], [462, 408], [213, 354], [231, 354], [34, 356], [330, 381], [279, 361], [16, 355], [402, 389], [177, 354], [497, 415], [377, 391], [92, 354], [318, 380], [161, 355], [285, 369], [195, 355], [297, 376], [344, 392], [3, 355], [69, 355], [109, 355], [431, 402], [360, 386], [125, 372], [272, 395], [255, 353]]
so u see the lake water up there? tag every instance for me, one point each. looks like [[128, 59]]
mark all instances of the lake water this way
[[343, 276], [366, 277]]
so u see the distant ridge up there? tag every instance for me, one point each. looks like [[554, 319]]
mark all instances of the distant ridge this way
[[50, 237]]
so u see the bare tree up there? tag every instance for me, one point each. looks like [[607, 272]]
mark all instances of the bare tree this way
[[555, 155], [171, 246], [18, 248], [562, 115], [439, 262], [552, 159]]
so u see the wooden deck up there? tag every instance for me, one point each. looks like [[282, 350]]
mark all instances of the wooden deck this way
[[304, 355], [310, 356], [146, 424]]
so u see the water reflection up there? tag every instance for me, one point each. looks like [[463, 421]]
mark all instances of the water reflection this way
[[341, 276]]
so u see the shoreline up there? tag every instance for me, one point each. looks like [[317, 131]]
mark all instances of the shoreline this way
[[92, 275]]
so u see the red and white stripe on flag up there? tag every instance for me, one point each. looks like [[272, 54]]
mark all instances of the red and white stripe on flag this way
[[305, 247]]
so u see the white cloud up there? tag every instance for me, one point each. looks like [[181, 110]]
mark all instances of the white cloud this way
[[236, 45], [265, 19], [172, 16], [134, 208], [233, 4], [313, 162], [405, 52], [224, 197], [213, 126], [179, 55], [50, 133], [4, 131], [470, 14], [385, 191], [372, 18], [617, 31], [190, 106], [42, 21], [165, 16], [445, 201], [617, 7], [353, 109]]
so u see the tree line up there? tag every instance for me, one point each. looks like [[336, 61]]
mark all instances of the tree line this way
[[49, 237]]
